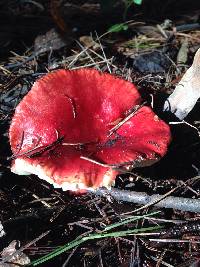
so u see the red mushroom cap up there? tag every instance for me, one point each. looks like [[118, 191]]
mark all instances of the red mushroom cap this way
[[63, 132]]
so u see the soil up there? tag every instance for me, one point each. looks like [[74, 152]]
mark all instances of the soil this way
[[40, 36]]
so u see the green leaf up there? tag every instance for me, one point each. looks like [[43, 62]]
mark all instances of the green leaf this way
[[137, 2], [118, 27]]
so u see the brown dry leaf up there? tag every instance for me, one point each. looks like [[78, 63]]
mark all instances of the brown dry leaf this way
[[89, 42], [52, 40], [18, 259]]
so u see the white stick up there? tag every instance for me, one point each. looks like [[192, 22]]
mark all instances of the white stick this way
[[187, 92]]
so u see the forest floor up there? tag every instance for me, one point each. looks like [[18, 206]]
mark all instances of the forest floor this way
[[41, 36]]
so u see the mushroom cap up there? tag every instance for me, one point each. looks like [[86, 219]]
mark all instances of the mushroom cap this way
[[62, 130]]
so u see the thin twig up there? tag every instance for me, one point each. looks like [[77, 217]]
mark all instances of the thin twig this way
[[115, 166], [164, 240], [72, 102], [38, 150], [89, 56], [40, 200], [90, 65], [97, 162], [69, 257], [186, 123], [114, 129], [98, 55], [163, 262], [106, 60]]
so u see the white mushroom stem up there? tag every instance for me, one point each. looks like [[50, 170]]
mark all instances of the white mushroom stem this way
[[187, 92]]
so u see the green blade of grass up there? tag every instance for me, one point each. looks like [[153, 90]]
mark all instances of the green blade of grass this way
[[128, 220], [57, 252], [79, 241], [120, 233]]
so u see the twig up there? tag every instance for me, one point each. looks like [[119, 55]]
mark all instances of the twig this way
[[170, 240], [38, 150], [106, 60], [96, 162], [98, 55], [42, 200], [115, 166], [185, 122], [86, 52], [163, 262], [26, 60], [69, 257], [72, 102], [188, 27], [91, 64], [169, 202], [114, 129]]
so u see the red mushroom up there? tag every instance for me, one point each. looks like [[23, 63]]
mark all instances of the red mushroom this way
[[76, 129]]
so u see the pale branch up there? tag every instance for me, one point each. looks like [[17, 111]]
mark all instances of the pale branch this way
[[141, 198]]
